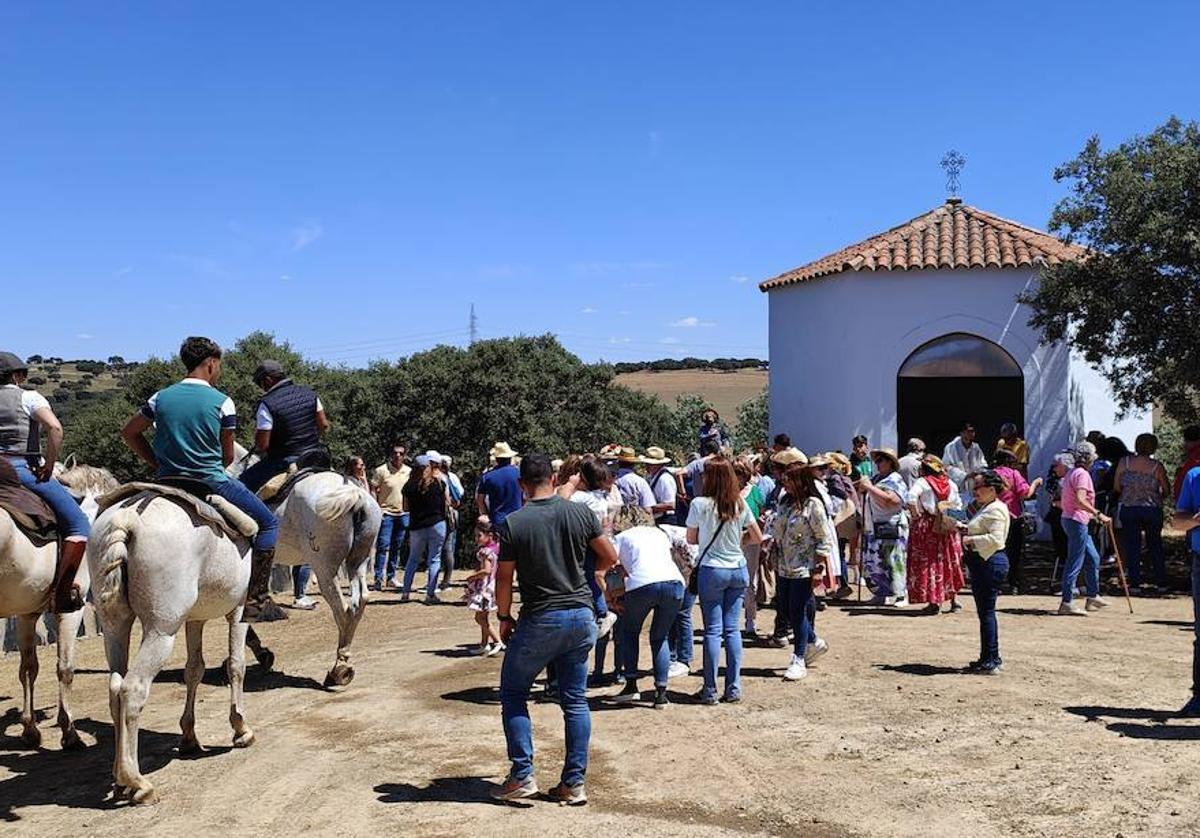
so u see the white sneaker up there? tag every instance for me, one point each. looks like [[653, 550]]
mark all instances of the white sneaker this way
[[494, 649], [307, 603], [796, 671], [901, 602], [814, 651], [482, 650], [1070, 609], [1096, 603], [605, 624], [678, 670]]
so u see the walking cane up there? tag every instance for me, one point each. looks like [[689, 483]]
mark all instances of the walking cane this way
[[1120, 563]]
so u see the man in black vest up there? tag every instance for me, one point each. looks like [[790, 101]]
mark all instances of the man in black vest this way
[[289, 422]]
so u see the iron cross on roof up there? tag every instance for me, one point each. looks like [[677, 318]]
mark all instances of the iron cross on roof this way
[[953, 163]]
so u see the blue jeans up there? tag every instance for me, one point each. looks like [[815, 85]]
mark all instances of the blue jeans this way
[[563, 638], [1081, 555], [1196, 628], [301, 573], [1134, 521], [425, 543], [387, 545], [236, 493], [796, 600], [721, 593], [680, 638], [71, 520], [987, 575], [664, 600], [257, 475]]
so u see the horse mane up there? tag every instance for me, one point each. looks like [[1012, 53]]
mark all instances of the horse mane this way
[[87, 479]]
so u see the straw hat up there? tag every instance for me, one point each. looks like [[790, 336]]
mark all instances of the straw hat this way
[[627, 455], [655, 456], [819, 461], [501, 451], [609, 452], [934, 462], [788, 456], [886, 453]]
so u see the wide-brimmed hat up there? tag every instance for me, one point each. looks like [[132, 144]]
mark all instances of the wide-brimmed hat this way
[[886, 453], [655, 456], [12, 363], [819, 461], [935, 463], [609, 452], [501, 451], [625, 454], [788, 456]]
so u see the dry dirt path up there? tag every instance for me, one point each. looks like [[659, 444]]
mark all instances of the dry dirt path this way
[[883, 738]]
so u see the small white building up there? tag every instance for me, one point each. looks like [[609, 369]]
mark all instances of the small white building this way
[[917, 330]]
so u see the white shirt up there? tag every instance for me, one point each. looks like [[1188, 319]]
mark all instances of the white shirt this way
[[597, 501], [31, 400], [921, 495], [264, 421], [664, 486], [961, 460], [645, 553]]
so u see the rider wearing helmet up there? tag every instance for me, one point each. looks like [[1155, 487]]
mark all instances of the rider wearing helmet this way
[[194, 425], [288, 423], [23, 415]]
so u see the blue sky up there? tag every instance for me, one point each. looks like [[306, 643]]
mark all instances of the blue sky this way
[[353, 177]]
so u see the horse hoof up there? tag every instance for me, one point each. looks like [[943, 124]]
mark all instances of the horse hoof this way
[[71, 741], [144, 795], [190, 746], [339, 676], [244, 739], [31, 736], [266, 659]]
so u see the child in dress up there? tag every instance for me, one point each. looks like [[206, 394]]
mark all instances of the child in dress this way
[[481, 587]]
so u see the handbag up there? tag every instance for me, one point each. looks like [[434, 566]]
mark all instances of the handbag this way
[[886, 531], [680, 554], [693, 585]]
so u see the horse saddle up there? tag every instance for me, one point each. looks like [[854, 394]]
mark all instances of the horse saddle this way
[[193, 496], [32, 515], [276, 490]]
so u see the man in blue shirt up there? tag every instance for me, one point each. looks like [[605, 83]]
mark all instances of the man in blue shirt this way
[[499, 493], [193, 438], [1187, 518]]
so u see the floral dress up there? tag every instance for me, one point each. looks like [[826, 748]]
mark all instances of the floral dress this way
[[886, 554], [481, 593]]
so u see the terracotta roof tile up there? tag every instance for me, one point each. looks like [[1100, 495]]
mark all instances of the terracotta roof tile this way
[[952, 235]]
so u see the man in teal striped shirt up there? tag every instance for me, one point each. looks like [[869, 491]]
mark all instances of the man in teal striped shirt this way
[[194, 424]]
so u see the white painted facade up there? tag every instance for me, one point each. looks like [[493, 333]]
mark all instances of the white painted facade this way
[[837, 343]]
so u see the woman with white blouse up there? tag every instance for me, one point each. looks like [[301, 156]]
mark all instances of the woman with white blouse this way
[[984, 536]]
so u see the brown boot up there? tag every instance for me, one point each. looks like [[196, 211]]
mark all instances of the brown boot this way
[[260, 608], [66, 595]]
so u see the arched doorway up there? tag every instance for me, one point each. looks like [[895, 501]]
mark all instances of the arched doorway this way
[[958, 378]]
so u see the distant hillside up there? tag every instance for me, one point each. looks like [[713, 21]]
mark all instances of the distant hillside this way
[[725, 391], [671, 364], [68, 383]]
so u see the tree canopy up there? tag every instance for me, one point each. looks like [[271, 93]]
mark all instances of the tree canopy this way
[[1132, 306]]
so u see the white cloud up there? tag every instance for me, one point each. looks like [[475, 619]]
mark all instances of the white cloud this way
[[85, 336], [285, 277], [669, 341], [587, 310], [625, 312], [128, 269], [691, 322], [305, 233], [739, 279], [619, 340]]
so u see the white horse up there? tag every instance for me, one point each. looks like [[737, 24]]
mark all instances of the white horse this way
[[155, 562], [328, 524], [26, 574]]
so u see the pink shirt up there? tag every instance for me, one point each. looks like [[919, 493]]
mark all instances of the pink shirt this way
[[1077, 478], [1017, 487]]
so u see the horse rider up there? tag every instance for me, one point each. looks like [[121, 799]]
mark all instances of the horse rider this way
[[194, 425], [289, 422], [24, 414]]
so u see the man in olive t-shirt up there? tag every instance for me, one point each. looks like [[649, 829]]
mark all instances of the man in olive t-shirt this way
[[545, 542]]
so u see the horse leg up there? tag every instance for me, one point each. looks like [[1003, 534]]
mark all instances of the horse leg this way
[[152, 654], [346, 620], [116, 650], [27, 643], [68, 633], [243, 736], [193, 672]]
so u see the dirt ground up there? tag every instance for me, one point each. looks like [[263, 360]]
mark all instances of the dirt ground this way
[[885, 737]]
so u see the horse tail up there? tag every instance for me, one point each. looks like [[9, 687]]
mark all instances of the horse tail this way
[[116, 554], [336, 503]]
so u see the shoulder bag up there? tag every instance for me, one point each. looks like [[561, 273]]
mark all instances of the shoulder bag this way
[[693, 585]]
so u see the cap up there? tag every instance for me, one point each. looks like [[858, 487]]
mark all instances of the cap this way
[[12, 363], [267, 369]]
